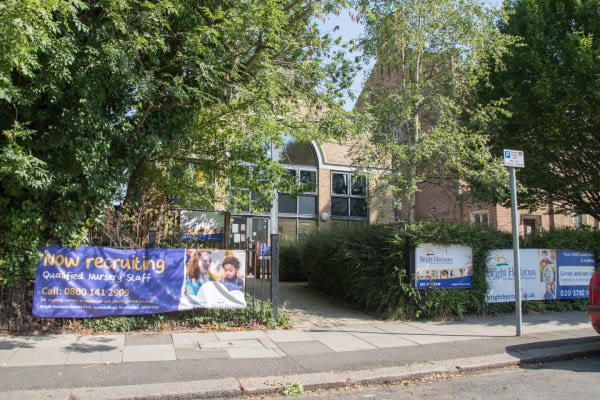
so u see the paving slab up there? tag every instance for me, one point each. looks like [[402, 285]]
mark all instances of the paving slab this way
[[227, 387], [188, 353], [230, 344], [280, 336], [43, 350], [97, 350], [252, 352], [304, 348], [451, 332], [362, 330], [488, 330], [182, 339], [9, 346], [237, 335], [159, 352], [534, 328], [339, 340], [416, 335], [387, 340], [147, 340]]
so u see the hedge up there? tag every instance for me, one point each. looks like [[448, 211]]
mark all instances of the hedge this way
[[367, 266]]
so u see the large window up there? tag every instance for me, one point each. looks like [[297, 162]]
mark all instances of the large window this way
[[298, 207], [299, 211], [348, 197]]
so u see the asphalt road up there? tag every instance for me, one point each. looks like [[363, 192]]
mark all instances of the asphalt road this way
[[570, 380]]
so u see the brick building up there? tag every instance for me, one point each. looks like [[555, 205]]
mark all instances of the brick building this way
[[339, 199], [448, 202]]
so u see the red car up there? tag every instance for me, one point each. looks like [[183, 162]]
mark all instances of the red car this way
[[594, 306]]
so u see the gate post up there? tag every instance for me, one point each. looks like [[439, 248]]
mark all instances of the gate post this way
[[275, 276]]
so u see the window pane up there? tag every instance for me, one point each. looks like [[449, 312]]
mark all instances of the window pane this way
[[359, 185], [306, 226], [287, 228], [296, 153], [339, 184], [339, 206], [309, 179], [308, 204], [358, 208], [287, 204], [259, 203], [477, 219], [291, 172], [485, 219]]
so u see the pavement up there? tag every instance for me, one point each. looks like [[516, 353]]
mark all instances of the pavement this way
[[361, 351]]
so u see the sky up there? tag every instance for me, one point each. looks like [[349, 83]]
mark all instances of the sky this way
[[348, 29]]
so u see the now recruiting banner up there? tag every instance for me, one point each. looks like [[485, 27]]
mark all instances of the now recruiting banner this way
[[443, 267], [546, 274], [99, 281]]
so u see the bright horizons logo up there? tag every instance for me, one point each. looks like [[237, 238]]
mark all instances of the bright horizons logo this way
[[431, 258], [501, 262]]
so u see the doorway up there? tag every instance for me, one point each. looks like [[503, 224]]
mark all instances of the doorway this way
[[249, 233]]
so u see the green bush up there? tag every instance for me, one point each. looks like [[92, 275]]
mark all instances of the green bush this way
[[258, 314], [368, 266], [291, 267]]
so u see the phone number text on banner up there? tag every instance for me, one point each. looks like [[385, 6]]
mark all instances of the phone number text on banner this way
[[98, 281]]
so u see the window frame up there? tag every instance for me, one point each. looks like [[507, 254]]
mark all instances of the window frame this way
[[483, 215], [350, 178]]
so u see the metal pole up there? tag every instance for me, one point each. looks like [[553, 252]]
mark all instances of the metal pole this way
[[275, 243], [517, 260]]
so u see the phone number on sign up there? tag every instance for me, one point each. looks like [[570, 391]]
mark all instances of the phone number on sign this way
[[574, 292], [85, 292]]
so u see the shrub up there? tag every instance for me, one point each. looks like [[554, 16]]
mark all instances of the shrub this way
[[367, 266], [291, 267]]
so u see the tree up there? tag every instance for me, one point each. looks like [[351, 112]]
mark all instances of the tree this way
[[427, 53], [547, 86], [114, 102]]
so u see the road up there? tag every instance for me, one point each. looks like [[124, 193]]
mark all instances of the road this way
[[571, 380]]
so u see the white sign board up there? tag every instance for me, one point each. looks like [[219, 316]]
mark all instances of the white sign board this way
[[443, 267], [546, 274], [514, 158]]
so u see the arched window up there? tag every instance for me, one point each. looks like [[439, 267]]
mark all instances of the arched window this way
[[298, 215]]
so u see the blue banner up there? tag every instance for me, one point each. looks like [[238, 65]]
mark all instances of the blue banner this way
[[575, 269], [99, 281]]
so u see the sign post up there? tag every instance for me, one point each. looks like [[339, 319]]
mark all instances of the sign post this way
[[275, 244], [515, 159]]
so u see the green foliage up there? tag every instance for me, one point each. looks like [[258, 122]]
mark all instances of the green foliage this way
[[293, 389], [427, 52], [367, 266], [257, 315], [362, 265], [291, 267], [545, 90], [138, 102]]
